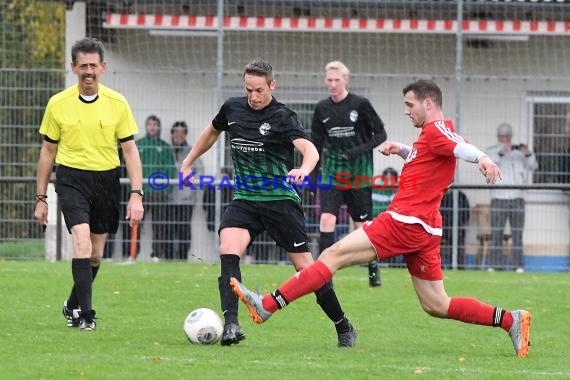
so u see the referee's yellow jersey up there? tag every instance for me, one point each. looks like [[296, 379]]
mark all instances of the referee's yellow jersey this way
[[87, 132]]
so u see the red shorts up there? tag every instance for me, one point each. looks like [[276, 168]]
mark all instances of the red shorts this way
[[390, 237]]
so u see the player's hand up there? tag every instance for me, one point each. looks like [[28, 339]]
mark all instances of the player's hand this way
[[135, 210], [489, 169], [297, 176], [186, 170], [389, 147]]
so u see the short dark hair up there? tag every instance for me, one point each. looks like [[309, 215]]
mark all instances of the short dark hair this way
[[179, 124], [424, 89], [260, 68], [153, 118], [87, 45]]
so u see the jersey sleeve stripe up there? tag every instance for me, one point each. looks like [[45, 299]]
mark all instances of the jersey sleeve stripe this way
[[448, 133]]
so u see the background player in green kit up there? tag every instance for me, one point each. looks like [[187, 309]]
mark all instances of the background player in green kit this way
[[348, 128], [263, 135]]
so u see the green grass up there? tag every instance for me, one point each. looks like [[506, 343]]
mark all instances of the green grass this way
[[27, 250], [141, 309]]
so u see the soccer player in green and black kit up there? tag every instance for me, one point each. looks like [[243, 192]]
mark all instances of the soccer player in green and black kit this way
[[263, 135], [348, 128]]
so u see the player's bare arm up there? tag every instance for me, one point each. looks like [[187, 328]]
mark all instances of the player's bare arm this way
[[45, 166], [205, 141], [310, 159], [135, 210], [391, 147]]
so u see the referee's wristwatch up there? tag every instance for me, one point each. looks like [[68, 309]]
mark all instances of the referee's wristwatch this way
[[139, 192]]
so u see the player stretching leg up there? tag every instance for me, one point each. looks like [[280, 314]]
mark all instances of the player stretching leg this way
[[412, 223]]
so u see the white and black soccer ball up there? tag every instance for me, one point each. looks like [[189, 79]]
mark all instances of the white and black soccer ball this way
[[203, 326]]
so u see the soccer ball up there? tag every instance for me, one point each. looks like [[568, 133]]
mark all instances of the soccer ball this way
[[203, 326]]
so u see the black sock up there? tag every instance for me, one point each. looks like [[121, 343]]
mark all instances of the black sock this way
[[373, 271], [228, 300], [327, 300], [72, 301], [82, 280], [498, 314], [326, 239]]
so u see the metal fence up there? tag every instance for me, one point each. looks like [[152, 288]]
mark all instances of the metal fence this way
[[467, 241]]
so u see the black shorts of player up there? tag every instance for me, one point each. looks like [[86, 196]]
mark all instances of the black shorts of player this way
[[283, 220], [358, 202], [91, 197]]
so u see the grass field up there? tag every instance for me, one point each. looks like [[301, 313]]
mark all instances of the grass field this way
[[141, 309]]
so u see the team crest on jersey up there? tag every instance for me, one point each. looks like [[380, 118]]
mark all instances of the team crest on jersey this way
[[264, 129], [413, 153], [353, 115]]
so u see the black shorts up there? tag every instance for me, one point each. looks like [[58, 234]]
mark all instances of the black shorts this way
[[91, 197], [283, 220], [358, 202]]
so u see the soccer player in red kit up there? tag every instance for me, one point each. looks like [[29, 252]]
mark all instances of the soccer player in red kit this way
[[411, 226]]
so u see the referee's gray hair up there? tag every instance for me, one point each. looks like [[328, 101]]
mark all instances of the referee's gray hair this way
[[87, 45], [259, 68], [339, 66]]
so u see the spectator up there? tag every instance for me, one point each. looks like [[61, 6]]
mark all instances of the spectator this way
[[517, 163], [183, 201], [157, 156]]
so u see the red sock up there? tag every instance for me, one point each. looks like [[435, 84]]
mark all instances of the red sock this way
[[507, 321], [304, 282], [470, 310]]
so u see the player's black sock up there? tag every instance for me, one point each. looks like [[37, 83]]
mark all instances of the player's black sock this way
[[72, 301], [327, 300], [326, 239], [82, 280], [228, 300]]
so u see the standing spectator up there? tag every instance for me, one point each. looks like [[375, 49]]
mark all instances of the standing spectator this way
[[346, 127], [80, 129], [517, 163], [183, 201], [157, 157], [464, 214], [264, 135]]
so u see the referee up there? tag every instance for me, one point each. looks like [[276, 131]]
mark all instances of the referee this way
[[80, 129]]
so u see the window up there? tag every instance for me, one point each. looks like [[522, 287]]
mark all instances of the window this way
[[549, 115]]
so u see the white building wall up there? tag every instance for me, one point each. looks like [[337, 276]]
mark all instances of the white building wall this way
[[174, 78]]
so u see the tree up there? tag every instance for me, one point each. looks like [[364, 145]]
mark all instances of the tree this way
[[32, 56]]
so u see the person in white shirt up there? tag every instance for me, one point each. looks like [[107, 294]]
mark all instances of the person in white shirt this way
[[517, 163]]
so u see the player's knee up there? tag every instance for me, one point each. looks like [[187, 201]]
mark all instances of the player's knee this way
[[434, 309], [327, 223]]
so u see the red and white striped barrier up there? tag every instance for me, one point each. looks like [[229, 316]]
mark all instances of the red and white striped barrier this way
[[315, 24]]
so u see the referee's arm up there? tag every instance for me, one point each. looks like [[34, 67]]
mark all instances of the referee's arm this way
[[45, 166]]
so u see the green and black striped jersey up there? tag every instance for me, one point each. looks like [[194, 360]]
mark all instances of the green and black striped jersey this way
[[262, 148], [347, 131]]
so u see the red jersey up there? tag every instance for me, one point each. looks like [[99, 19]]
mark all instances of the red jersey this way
[[427, 173]]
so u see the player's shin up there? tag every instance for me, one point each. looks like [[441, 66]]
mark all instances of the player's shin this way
[[228, 301], [308, 280]]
